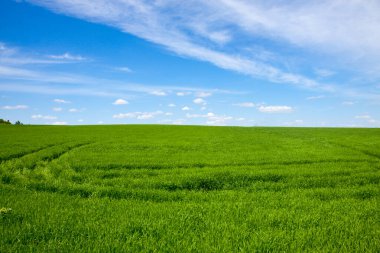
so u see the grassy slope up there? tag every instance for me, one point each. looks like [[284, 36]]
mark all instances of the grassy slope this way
[[172, 188]]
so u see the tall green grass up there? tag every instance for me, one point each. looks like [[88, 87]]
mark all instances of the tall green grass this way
[[142, 188]]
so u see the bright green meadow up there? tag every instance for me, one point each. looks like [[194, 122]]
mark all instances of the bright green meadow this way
[[152, 188]]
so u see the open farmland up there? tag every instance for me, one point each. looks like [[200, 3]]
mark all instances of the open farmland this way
[[188, 188]]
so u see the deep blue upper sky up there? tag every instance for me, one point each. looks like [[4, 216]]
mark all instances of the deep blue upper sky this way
[[224, 62]]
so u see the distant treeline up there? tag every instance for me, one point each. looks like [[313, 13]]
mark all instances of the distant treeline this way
[[7, 122]]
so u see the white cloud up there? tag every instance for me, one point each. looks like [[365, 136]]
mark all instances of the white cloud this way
[[364, 116], [120, 102], [80, 120], [14, 107], [137, 115], [199, 101], [297, 122], [61, 101], [315, 97], [68, 56], [186, 108], [183, 93], [369, 119], [124, 69], [171, 105], [60, 123], [170, 24], [203, 94], [57, 109], [212, 118], [100, 122], [13, 56], [275, 109], [210, 114], [348, 103], [245, 104], [74, 110], [158, 93], [324, 72], [39, 116]]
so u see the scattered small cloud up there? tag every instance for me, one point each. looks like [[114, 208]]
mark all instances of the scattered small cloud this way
[[315, 97], [212, 118], [124, 69], [369, 119], [47, 117], [168, 114], [348, 103], [203, 94], [61, 101], [120, 102], [324, 72], [14, 107], [171, 105], [183, 93], [185, 108], [297, 122], [364, 116], [60, 123], [76, 110], [158, 93], [57, 109], [275, 109], [245, 104], [100, 122], [137, 115], [199, 101], [67, 56], [80, 120]]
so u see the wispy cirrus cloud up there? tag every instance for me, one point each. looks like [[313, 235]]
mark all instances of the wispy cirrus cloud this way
[[124, 69], [47, 117], [68, 56], [14, 107], [138, 115], [210, 31], [61, 101], [15, 56], [245, 104], [275, 109], [158, 93], [212, 118], [21, 79], [315, 97]]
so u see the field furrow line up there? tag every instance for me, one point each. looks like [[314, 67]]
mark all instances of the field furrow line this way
[[22, 154]]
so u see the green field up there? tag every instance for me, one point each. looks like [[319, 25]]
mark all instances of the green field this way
[[145, 188]]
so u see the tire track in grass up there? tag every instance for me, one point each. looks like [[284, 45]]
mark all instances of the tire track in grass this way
[[22, 154], [56, 156], [63, 152], [32, 159], [364, 152], [204, 165]]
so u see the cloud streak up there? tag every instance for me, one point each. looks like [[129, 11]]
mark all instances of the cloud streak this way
[[170, 24]]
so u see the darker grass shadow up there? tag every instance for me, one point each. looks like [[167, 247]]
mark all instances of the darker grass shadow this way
[[221, 181]]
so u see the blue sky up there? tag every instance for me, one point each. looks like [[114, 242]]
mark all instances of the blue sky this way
[[222, 62]]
